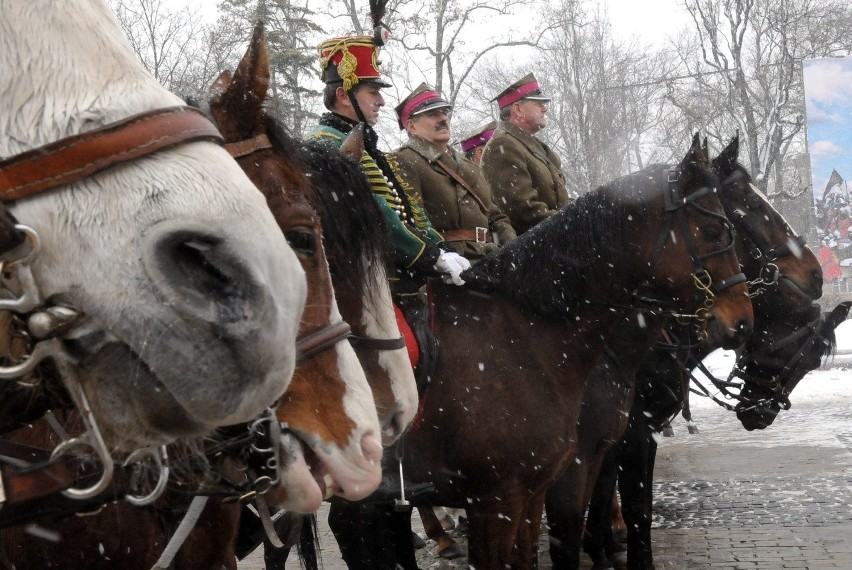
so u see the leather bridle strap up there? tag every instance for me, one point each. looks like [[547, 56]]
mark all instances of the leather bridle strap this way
[[323, 339], [373, 343], [246, 147], [75, 158]]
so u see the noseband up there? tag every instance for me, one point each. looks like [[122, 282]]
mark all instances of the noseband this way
[[63, 162]]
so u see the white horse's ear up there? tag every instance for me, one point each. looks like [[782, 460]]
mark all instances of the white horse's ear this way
[[222, 82]]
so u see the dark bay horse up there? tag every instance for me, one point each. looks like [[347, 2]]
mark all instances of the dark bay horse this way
[[784, 276], [499, 416]]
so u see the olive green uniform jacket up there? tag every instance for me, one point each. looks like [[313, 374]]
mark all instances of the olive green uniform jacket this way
[[525, 176], [449, 204]]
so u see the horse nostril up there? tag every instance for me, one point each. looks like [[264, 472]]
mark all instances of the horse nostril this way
[[207, 276], [371, 448], [817, 278]]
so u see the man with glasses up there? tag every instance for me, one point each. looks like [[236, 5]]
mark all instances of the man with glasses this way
[[523, 172], [456, 196]]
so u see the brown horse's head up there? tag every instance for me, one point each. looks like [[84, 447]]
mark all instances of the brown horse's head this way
[[775, 259], [332, 439], [355, 239], [701, 264]]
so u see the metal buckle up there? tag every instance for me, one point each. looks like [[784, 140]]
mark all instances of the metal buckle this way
[[481, 232]]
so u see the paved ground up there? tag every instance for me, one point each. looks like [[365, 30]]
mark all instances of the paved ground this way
[[731, 499]]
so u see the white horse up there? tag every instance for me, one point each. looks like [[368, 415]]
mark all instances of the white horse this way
[[188, 295]]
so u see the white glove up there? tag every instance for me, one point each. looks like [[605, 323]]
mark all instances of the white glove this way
[[451, 265]]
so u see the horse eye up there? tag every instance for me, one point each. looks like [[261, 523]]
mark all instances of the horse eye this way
[[712, 231], [754, 203], [302, 241]]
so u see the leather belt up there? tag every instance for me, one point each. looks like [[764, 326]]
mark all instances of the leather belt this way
[[479, 235]]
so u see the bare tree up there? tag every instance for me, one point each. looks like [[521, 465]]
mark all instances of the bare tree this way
[[171, 43], [442, 41], [749, 71], [603, 109]]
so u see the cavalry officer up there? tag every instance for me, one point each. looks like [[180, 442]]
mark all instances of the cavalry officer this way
[[473, 143], [373, 535], [353, 95], [453, 190], [523, 172]]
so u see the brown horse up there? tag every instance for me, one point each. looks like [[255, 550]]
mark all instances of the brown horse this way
[[783, 275], [499, 417]]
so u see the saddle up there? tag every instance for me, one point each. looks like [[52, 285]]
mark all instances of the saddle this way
[[416, 307]]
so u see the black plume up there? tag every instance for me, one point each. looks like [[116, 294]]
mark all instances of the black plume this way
[[377, 11]]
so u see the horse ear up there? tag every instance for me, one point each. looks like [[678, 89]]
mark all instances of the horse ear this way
[[726, 162], [221, 83], [696, 154], [353, 146], [838, 314], [252, 74]]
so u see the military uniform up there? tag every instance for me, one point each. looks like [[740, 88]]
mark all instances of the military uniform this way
[[525, 175], [411, 231], [466, 217]]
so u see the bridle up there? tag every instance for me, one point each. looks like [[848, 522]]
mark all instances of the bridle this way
[[769, 277], [326, 337], [706, 288], [759, 247], [30, 173], [319, 340]]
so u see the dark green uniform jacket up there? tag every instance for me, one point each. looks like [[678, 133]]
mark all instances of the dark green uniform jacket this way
[[412, 236], [449, 204], [525, 176]]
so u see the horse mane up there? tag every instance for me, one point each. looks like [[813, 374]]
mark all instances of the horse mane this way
[[353, 227], [546, 270]]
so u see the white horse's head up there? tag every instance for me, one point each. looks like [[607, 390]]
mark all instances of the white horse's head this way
[[190, 296]]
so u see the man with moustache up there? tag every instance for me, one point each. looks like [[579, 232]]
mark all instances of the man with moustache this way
[[454, 192], [353, 95], [523, 172]]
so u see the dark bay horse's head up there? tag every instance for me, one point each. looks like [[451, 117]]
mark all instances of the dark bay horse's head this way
[[332, 442], [704, 254], [776, 261], [355, 238], [779, 355]]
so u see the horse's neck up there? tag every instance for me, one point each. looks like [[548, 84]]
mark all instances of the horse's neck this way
[[68, 69], [632, 338]]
